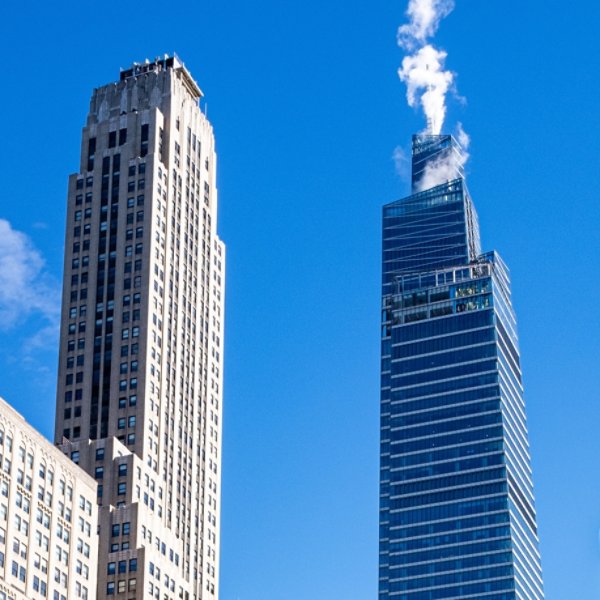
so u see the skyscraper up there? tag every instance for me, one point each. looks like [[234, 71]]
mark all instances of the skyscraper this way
[[457, 517], [141, 345]]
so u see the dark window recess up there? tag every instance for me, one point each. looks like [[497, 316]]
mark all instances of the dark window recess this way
[[116, 163], [122, 136], [91, 153], [144, 140], [112, 139]]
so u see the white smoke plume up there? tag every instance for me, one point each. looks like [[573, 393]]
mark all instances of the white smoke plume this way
[[427, 81], [447, 166], [425, 17]]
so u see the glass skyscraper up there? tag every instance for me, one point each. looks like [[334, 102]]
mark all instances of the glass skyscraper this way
[[457, 516]]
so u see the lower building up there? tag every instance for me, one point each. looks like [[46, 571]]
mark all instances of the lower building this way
[[48, 518], [132, 502]]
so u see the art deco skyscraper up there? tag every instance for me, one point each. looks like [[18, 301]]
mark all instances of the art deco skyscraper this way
[[457, 517], [141, 345]]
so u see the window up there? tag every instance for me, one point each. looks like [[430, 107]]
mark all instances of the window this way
[[112, 139], [126, 528], [110, 588], [122, 470], [122, 489], [111, 568]]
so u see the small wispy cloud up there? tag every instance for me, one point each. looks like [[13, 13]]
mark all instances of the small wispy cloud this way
[[401, 163], [26, 288]]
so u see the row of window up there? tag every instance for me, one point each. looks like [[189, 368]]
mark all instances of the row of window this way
[[121, 586]]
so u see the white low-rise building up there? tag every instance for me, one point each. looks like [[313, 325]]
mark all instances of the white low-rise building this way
[[48, 518]]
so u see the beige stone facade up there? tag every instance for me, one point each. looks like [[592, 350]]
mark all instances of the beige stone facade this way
[[48, 518], [139, 399]]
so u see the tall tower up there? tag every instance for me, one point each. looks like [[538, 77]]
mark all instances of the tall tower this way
[[457, 517], [139, 400]]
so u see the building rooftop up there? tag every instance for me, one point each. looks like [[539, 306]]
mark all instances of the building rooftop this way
[[160, 64]]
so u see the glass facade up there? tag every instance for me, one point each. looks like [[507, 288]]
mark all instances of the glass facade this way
[[457, 517]]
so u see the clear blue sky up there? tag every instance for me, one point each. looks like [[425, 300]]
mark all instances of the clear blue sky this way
[[308, 109]]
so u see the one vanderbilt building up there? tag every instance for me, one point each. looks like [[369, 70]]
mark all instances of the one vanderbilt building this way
[[139, 401], [457, 510]]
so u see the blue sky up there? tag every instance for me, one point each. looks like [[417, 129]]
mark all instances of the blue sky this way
[[308, 109]]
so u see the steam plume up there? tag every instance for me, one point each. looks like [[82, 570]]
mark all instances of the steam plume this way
[[427, 81], [425, 17], [446, 167]]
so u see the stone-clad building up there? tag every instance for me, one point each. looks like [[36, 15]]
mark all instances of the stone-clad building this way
[[48, 518], [139, 400]]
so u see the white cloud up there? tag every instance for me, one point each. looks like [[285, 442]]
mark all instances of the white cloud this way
[[462, 136], [26, 289], [401, 163]]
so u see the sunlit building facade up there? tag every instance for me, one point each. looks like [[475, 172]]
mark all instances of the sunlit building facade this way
[[48, 518], [457, 516], [139, 401]]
